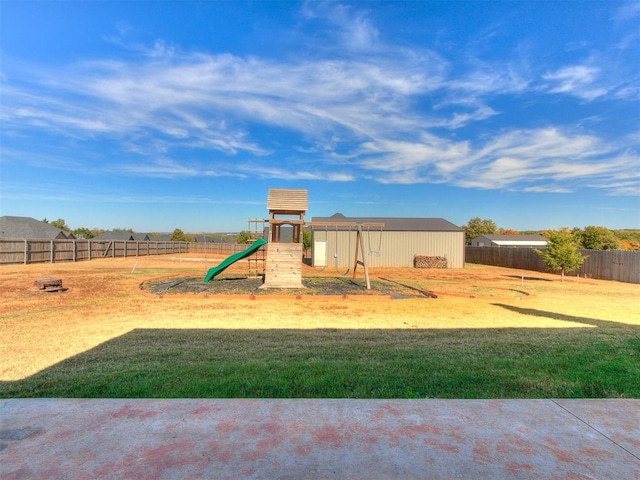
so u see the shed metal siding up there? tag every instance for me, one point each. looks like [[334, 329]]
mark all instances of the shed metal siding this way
[[396, 249]]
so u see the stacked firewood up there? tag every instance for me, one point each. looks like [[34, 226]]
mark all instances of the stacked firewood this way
[[422, 261]]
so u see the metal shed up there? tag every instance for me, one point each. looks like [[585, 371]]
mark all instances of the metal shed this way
[[395, 245], [519, 241]]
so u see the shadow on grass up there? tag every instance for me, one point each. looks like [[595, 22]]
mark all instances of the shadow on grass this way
[[566, 318], [339, 363]]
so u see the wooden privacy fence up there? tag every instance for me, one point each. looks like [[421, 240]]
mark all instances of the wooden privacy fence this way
[[618, 265], [217, 248], [51, 251]]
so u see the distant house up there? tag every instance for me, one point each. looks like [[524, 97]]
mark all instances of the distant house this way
[[30, 228], [512, 241], [394, 245], [165, 237], [121, 235]]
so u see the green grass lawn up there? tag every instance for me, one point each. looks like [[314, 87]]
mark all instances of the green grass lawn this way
[[335, 363]]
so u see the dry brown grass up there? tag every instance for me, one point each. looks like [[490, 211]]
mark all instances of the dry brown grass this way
[[103, 301]]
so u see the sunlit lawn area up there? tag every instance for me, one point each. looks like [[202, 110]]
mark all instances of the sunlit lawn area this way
[[500, 363]]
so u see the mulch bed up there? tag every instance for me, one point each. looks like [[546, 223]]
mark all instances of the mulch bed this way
[[235, 285]]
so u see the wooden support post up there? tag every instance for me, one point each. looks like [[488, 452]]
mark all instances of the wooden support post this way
[[356, 262], [359, 242]]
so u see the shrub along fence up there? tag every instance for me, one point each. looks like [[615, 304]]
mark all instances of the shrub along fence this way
[[51, 251], [618, 265]]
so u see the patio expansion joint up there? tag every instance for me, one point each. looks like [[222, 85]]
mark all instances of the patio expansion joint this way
[[596, 430]]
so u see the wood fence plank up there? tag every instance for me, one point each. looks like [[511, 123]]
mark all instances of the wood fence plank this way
[[617, 265]]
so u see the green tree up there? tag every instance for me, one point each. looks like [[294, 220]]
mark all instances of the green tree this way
[[243, 237], [83, 232], [179, 236], [60, 223], [478, 226], [629, 238], [561, 253], [597, 238], [306, 241]]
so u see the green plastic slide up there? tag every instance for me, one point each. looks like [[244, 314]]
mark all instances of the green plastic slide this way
[[234, 258]]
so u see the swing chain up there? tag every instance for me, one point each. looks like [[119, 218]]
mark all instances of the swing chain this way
[[374, 252], [336, 251]]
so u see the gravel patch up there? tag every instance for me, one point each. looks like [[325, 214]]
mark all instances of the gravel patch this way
[[241, 285]]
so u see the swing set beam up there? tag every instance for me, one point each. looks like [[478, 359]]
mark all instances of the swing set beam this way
[[359, 242]]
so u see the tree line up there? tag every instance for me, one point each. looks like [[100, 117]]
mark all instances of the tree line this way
[[588, 238], [562, 253], [176, 236]]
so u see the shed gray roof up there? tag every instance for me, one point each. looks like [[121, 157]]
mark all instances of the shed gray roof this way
[[27, 227], [398, 224]]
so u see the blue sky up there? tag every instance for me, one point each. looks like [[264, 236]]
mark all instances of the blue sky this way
[[161, 115]]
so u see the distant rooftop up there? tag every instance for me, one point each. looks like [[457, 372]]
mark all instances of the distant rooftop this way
[[27, 227]]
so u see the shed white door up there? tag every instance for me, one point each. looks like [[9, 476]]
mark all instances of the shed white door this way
[[320, 253]]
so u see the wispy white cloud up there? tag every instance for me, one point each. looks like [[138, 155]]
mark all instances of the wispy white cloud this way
[[295, 174], [201, 100], [546, 189], [491, 79], [74, 194], [576, 80], [168, 168], [369, 110], [355, 31], [564, 162], [628, 10], [532, 160]]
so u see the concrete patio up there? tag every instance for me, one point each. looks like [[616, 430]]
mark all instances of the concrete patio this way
[[316, 439]]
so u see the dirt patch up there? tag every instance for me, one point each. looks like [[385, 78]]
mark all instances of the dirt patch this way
[[242, 285]]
